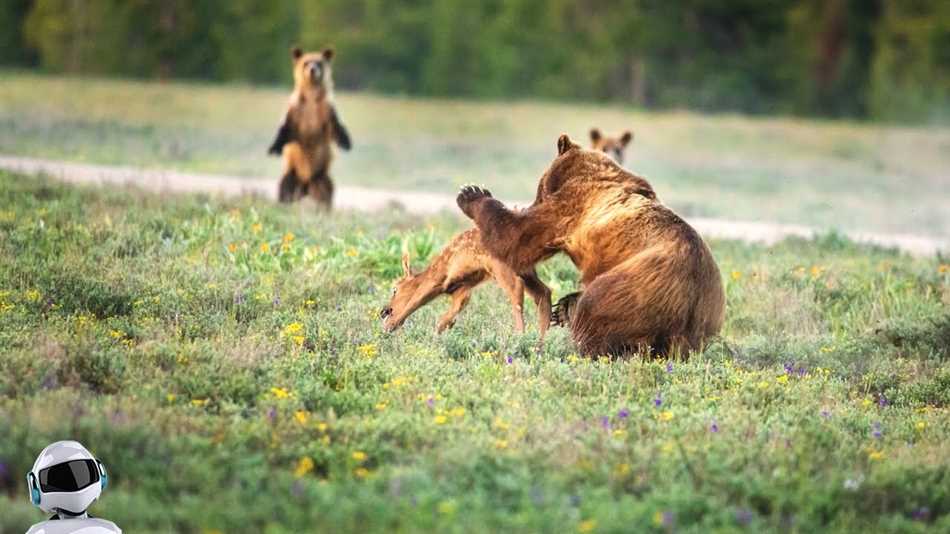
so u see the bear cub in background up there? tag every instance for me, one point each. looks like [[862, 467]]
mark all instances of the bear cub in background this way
[[308, 130]]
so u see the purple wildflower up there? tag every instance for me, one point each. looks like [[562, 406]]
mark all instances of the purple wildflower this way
[[509, 360], [789, 368], [605, 422], [876, 430], [882, 401], [744, 516], [272, 414], [826, 414], [623, 413], [802, 372], [3, 470], [714, 427], [431, 402], [668, 519], [669, 367], [921, 514], [657, 401]]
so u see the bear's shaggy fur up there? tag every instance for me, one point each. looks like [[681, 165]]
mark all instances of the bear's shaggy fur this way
[[310, 126], [461, 266], [612, 146], [648, 279]]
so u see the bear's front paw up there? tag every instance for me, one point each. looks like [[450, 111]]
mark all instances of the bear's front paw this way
[[469, 195]]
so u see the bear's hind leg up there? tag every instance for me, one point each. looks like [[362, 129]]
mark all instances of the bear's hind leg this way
[[561, 315], [321, 190], [287, 189]]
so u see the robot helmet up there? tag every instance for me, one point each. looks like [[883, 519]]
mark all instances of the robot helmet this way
[[66, 479]]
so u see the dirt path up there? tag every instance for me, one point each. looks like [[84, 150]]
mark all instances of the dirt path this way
[[366, 199]]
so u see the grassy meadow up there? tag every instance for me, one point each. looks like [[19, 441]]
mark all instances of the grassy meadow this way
[[828, 174], [225, 360]]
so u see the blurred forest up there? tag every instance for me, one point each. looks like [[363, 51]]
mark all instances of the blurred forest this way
[[877, 59]]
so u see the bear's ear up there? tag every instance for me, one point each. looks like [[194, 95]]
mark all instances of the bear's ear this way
[[406, 266], [296, 52], [564, 144], [626, 138], [328, 53], [594, 135]]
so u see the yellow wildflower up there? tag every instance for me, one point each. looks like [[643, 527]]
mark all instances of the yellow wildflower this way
[[665, 415], [288, 237], [304, 466], [199, 402], [368, 350], [621, 433], [280, 393], [866, 402], [816, 271], [763, 385], [302, 416], [361, 472], [321, 426], [500, 424], [257, 227], [736, 275], [586, 526], [622, 470], [352, 252], [447, 507], [440, 419], [944, 268], [380, 406], [875, 455], [293, 329], [265, 248], [232, 247], [171, 397], [117, 334], [501, 444], [359, 456], [457, 412], [33, 295], [298, 340], [658, 518], [920, 425], [783, 379]]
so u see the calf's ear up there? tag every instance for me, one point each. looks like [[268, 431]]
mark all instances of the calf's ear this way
[[296, 52], [328, 54], [564, 144], [594, 135], [406, 266], [626, 138]]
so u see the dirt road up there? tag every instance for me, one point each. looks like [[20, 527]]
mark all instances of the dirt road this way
[[366, 199]]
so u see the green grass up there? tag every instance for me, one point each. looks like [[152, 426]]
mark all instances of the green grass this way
[[230, 388], [829, 174]]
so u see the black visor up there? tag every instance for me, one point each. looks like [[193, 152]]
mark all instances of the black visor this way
[[69, 477]]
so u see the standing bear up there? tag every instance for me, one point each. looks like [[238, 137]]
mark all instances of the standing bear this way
[[648, 280], [310, 126]]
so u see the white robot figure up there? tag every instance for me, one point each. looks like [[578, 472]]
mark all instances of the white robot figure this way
[[65, 480]]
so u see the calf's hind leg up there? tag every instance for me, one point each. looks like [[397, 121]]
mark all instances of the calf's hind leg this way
[[541, 295], [513, 286]]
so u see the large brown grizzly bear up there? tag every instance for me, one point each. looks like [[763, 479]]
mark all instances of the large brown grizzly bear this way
[[648, 279], [310, 126]]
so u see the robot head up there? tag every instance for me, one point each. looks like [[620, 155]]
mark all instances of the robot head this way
[[66, 478]]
